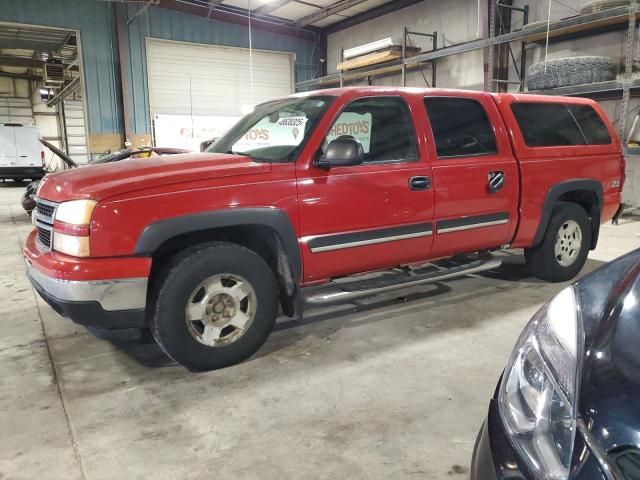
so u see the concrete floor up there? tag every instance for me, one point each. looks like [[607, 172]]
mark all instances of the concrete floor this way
[[387, 388]]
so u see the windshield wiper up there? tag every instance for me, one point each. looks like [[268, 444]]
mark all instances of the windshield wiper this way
[[258, 159], [247, 154]]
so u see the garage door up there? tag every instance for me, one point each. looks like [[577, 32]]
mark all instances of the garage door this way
[[15, 110], [192, 86], [75, 131]]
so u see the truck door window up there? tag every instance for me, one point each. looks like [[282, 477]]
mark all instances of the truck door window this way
[[559, 124], [460, 127], [382, 125]]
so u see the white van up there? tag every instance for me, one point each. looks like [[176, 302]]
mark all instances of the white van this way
[[21, 154]]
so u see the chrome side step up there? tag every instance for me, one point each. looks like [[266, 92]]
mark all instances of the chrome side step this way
[[344, 292]]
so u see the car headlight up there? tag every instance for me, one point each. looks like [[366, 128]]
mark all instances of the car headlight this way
[[75, 212], [71, 227], [539, 390], [71, 244]]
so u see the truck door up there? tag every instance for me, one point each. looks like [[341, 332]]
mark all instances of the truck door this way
[[27, 147], [8, 156], [475, 174], [374, 215]]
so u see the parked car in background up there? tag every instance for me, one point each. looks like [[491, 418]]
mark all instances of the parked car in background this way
[[317, 186], [21, 155], [567, 403], [143, 152], [206, 144], [28, 197]]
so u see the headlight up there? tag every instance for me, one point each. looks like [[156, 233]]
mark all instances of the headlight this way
[[71, 244], [539, 390], [75, 212]]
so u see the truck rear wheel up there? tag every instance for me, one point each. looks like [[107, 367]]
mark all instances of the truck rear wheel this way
[[565, 246], [213, 305]]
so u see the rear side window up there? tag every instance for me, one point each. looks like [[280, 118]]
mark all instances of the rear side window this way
[[594, 129], [558, 124], [460, 127]]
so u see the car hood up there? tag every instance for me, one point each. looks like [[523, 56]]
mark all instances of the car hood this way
[[109, 179], [610, 383], [59, 153]]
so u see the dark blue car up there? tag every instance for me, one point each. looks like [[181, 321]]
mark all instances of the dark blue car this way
[[568, 403]]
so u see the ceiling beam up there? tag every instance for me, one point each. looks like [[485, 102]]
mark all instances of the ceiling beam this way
[[267, 8], [383, 9], [69, 88], [327, 11], [23, 76], [14, 61], [202, 10], [212, 5], [143, 9]]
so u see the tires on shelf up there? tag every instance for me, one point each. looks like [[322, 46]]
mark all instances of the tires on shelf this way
[[597, 6], [565, 72]]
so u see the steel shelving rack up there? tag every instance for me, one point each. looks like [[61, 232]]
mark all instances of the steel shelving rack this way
[[606, 20]]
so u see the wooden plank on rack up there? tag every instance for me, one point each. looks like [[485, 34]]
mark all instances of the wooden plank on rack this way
[[387, 55]]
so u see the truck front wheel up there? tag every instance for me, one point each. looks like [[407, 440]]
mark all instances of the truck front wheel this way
[[565, 246], [213, 305]]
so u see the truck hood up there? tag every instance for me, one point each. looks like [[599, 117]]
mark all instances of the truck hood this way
[[610, 384], [109, 179]]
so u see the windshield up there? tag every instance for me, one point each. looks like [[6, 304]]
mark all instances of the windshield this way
[[274, 131], [109, 157]]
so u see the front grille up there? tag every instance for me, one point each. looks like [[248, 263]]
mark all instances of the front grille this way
[[45, 209], [43, 219], [44, 237]]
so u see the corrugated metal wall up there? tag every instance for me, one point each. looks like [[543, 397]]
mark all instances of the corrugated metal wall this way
[[96, 22]]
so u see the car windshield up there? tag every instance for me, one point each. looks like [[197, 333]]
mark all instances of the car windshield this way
[[274, 131], [106, 158]]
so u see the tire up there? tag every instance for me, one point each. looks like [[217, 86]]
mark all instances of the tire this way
[[543, 260], [177, 301], [564, 72], [597, 6]]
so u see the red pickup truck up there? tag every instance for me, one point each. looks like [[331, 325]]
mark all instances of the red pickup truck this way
[[205, 248]]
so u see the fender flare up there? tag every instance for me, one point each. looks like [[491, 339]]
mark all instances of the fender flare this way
[[552, 198], [155, 234]]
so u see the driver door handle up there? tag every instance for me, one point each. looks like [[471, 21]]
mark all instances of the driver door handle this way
[[419, 183], [496, 181]]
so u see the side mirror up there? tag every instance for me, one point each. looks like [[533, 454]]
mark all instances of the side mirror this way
[[342, 152]]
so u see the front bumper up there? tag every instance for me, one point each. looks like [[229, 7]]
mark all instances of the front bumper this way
[[494, 458], [74, 289], [112, 304], [21, 173]]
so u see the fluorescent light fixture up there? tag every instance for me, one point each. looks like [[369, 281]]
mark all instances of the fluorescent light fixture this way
[[368, 48]]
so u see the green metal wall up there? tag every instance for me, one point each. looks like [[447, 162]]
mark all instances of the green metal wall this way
[[96, 21]]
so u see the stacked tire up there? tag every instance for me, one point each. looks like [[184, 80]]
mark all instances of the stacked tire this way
[[565, 72], [597, 6]]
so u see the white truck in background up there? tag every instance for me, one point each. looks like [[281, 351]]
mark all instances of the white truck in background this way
[[21, 154]]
